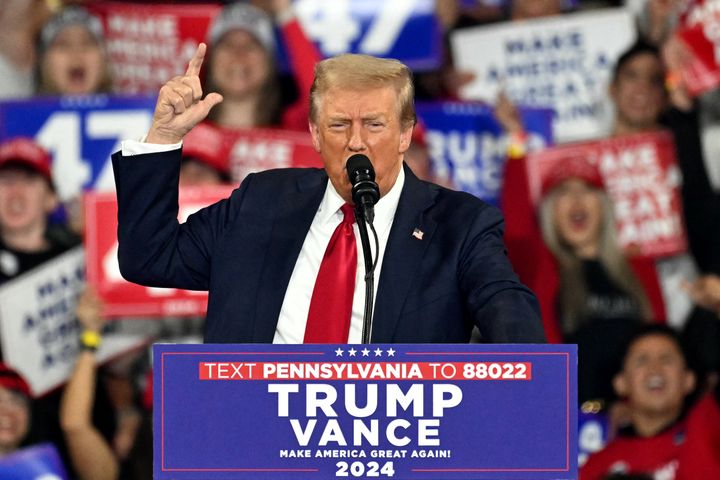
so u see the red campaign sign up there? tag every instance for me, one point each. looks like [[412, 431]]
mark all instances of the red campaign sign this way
[[701, 72], [693, 11], [699, 30], [641, 176], [125, 299], [148, 44], [254, 150]]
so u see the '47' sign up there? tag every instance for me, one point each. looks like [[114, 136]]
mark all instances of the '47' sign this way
[[80, 132], [402, 29]]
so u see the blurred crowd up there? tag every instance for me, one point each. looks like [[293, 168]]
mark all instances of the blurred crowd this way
[[657, 384]]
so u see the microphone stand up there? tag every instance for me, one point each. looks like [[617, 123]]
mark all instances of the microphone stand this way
[[369, 274]]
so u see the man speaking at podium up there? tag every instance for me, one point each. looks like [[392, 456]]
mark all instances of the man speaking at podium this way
[[280, 257]]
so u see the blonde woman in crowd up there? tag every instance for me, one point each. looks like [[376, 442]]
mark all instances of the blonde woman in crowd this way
[[72, 58]]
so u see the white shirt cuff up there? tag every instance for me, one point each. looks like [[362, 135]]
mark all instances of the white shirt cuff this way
[[140, 147]]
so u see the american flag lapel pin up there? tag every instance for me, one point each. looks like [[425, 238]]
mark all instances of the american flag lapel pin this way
[[417, 233]]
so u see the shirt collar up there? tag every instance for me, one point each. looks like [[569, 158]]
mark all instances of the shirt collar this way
[[384, 209]]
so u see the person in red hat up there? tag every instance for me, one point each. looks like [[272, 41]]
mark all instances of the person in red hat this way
[[589, 292], [14, 410], [89, 453], [27, 197], [204, 157]]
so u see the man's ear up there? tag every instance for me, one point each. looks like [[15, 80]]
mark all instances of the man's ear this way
[[405, 139], [315, 134], [620, 385]]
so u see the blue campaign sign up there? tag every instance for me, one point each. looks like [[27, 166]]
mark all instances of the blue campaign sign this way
[[593, 429], [403, 29], [468, 147], [80, 132], [404, 411], [39, 462]]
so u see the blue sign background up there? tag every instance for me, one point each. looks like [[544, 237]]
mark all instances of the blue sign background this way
[[81, 132], [593, 430], [403, 29], [214, 429], [35, 462], [468, 146]]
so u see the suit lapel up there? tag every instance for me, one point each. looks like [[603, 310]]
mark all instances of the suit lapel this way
[[293, 216], [403, 255]]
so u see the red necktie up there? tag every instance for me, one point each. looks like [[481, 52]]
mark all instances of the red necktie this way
[[332, 298]]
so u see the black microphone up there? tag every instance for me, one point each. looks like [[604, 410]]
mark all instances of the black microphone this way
[[365, 192]]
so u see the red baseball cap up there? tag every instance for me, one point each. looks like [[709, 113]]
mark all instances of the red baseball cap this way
[[571, 167], [12, 380], [206, 143], [26, 151]]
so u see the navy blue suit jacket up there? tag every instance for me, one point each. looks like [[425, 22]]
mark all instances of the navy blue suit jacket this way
[[243, 250]]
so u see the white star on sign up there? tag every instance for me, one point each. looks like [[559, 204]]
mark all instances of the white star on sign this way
[[365, 352], [339, 352], [352, 352], [391, 353], [378, 352]]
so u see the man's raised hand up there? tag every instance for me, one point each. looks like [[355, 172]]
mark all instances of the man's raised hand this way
[[180, 105]]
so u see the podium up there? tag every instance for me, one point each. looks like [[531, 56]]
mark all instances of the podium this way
[[401, 411]]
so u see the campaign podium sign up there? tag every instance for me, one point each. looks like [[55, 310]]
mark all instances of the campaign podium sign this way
[[403, 411]]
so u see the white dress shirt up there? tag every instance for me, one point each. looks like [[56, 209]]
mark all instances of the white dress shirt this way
[[296, 304]]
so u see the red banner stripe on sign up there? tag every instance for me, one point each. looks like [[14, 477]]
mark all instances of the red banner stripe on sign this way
[[365, 371]]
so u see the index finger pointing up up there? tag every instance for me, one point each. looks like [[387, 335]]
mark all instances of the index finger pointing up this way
[[197, 60]]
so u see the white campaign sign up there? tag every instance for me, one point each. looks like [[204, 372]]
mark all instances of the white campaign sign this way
[[563, 62], [38, 326]]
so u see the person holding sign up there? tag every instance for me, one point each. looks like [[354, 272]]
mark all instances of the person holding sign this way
[[241, 66], [442, 267], [91, 455], [593, 295]]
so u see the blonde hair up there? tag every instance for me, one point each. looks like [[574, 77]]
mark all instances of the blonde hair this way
[[360, 72], [573, 291]]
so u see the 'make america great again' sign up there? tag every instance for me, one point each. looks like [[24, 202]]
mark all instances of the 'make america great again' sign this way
[[365, 411]]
